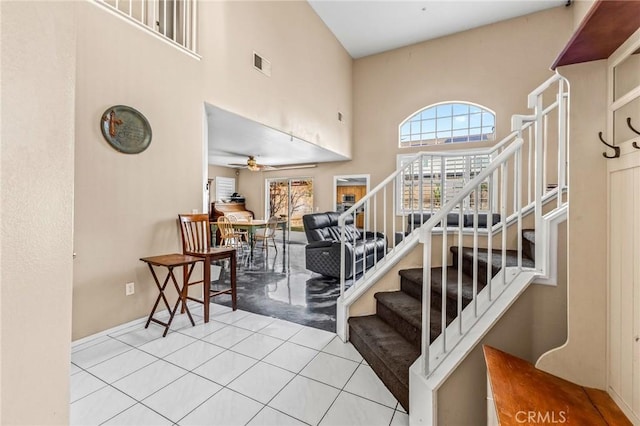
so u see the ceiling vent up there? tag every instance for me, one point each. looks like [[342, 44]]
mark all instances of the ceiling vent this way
[[261, 64]]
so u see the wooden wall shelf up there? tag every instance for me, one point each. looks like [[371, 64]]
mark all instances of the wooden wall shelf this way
[[607, 25]]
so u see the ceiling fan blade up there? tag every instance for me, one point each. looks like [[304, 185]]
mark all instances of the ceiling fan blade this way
[[294, 166]]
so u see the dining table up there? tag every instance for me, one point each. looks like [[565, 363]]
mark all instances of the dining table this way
[[251, 226]]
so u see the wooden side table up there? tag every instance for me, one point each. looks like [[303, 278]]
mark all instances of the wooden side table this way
[[171, 261]]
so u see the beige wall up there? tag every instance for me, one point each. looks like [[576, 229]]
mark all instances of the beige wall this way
[[582, 358], [36, 185], [580, 10], [495, 66], [311, 72], [126, 205]]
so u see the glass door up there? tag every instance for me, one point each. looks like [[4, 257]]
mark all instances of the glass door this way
[[291, 198]]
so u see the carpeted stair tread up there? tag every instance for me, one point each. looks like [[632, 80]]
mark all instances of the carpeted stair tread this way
[[496, 258], [388, 353], [482, 260], [412, 274], [406, 307], [529, 243], [390, 340], [404, 313], [411, 283], [529, 235]]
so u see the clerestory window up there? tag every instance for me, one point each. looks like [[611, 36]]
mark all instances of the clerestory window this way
[[174, 21], [449, 122]]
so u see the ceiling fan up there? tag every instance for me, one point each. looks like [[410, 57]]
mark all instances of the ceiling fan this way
[[252, 165]]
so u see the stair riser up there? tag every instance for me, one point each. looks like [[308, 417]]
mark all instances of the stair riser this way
[[408, 331], [415, 290], [528, 249], [529, 243], [412, 289], [467, 268], [397, 388]]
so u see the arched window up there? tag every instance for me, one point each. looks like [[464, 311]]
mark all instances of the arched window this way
[[448, 122]]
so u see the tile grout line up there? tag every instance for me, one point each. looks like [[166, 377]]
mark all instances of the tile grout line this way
[[257, 360], [337, 396], [293, 378], [137, 402]]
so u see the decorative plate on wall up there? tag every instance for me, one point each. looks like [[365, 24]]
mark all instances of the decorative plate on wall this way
[[126, 129]]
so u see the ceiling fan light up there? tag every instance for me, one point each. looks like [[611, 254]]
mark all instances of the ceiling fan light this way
[[252, 164]]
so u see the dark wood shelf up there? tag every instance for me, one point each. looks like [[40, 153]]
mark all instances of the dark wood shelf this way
[[605, 27]]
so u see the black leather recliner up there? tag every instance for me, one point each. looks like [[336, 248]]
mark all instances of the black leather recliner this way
[[322, 254], [415, 221]]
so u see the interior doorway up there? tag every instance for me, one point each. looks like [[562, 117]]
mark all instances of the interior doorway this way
[[291, 198], [348, 190]]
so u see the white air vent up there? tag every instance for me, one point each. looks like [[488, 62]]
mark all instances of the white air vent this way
[[261, 64]]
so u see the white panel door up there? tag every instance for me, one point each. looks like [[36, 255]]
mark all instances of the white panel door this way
[[624, 282]]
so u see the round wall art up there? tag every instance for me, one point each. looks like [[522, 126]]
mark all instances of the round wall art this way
[[126, 129]]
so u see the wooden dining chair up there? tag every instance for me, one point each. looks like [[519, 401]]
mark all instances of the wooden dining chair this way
[[195, 231], [267, 234], [228, 235], [242, 234]]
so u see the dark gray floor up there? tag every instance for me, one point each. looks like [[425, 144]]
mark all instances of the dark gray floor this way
[[279, 286]]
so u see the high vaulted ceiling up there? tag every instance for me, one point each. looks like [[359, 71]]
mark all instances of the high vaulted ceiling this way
[[364, 27]]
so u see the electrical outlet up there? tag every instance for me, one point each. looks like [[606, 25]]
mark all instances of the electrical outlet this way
[[129, 289]]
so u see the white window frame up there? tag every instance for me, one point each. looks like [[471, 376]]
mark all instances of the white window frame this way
[[422, 127], [402, 160], [225, 186]]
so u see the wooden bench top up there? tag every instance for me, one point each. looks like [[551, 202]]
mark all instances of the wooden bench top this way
[[525, 395]]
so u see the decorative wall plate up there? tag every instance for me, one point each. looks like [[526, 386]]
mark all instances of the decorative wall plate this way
[[126, 129]]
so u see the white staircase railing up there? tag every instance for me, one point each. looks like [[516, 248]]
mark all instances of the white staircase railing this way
[[479, 199], [546, 154], [425, 179], [512, 185]]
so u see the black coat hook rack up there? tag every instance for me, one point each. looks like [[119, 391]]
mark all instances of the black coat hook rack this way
[[616, 149], [634, 130]]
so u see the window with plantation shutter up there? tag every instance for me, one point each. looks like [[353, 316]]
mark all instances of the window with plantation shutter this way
[[224, 188], [428, 187]]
